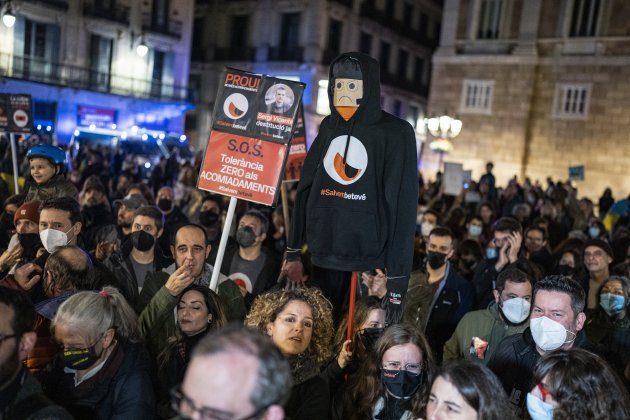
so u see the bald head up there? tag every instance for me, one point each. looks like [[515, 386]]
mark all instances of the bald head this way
[[67, 270]]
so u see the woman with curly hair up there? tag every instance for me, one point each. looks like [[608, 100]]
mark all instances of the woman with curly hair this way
[[576, 384], [393, 383], [199, 312], [368, 326], [299, 323], [467, 390]]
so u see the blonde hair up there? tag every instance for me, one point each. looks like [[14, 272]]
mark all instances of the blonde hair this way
[[266, 308], [93, 313]]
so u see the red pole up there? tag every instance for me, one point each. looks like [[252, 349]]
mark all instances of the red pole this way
[[353, 295]]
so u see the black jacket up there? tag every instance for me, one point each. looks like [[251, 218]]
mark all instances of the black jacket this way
[[309, 400], [119, 263], [27, 401], [356, 200], [125, 392], [514, 360], [267, 278], [455, 299]]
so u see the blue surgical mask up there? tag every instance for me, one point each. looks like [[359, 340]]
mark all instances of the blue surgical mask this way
[[538, 409], [593, 232], [491, 253], [612, 304], [474, 231]]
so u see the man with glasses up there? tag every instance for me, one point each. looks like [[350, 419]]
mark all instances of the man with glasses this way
[[21, 395], [234, 373], [598, 255]]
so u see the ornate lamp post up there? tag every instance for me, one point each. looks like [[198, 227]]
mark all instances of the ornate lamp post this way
[[444, 129]]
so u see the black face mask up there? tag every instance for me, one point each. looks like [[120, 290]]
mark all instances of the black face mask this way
[[245, 236], [29, 241], [565, 270], [79, 359], [208, 218], [469, 264], [142, 241], [401, 384], [436, 259], [370, 336], [165, 204]]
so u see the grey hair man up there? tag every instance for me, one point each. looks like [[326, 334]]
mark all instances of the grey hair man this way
[[250, 378]]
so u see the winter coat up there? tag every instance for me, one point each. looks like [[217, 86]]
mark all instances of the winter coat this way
[[121, 390], [438, 316], [514, 360], [120, 265], [485, 324], [57, 186], [30, 403]]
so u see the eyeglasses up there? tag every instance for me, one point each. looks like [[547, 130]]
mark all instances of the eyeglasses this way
[[181, 404], [6, 337], [413, 368]]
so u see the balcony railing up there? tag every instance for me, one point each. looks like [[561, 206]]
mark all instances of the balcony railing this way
[[370, 11], [116, 12], [57, 4], [172, 28], [402, 83], [42, 71], [285, 54]]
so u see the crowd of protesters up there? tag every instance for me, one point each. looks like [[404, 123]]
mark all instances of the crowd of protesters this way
[[517, 304]]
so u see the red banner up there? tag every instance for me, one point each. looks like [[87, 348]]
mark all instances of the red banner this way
[[242, 167]]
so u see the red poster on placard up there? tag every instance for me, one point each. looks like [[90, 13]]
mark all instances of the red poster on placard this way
[[242, 167]]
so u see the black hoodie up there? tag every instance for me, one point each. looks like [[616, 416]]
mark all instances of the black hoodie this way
[[356, 200]]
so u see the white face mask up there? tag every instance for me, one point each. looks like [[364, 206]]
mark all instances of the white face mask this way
[[52, 239], [538, 409], [426, 228], [516, 310], [548, 334]]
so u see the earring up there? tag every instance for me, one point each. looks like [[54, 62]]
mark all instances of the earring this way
[[209, 320]]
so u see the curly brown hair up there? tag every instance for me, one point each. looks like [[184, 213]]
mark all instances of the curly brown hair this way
[[266, 308]]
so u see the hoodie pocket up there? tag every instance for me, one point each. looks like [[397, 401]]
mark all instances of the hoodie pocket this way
[[345, 234]]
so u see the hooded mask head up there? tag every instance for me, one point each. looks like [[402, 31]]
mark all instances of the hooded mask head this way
[[355, 82], [347, 81]]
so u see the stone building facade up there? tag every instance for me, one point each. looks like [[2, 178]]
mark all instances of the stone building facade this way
[[298, 39], [540, 86]]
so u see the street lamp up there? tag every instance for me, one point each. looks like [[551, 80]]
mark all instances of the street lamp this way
[[444, 129], [142, 48], [8, 18]]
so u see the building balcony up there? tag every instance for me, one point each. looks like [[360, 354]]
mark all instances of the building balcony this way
[[41, 71], [285, 54], [412, 86], [172, 28], [56, 4], [370, 11], [116, 12]]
